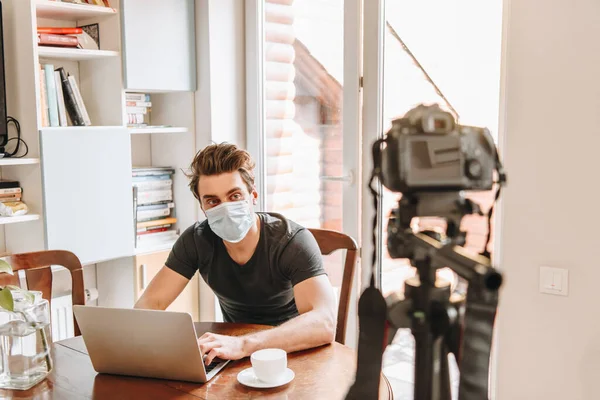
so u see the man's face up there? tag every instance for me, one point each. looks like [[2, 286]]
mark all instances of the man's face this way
[[226, 187]]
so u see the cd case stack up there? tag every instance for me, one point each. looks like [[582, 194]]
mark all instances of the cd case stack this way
[[154, 208]]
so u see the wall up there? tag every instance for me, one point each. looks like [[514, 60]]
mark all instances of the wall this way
[[221, 74], [549, 346]]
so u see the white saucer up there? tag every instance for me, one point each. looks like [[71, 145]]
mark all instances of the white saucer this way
[[247, 377]]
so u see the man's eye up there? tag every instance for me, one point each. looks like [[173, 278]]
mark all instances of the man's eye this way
[[236, 196], [211, 202]]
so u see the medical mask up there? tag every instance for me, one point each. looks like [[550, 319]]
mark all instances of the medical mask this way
[[231, 221]]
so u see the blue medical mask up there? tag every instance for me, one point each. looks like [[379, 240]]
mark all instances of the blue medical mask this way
[[231, 221]]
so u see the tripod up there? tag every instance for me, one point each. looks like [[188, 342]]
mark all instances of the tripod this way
[[440, 322]]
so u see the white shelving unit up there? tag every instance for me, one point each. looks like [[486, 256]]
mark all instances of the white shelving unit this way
[[18, 161], [70, 11], [20, 218], [100, 77], [157, 130], [98, 74], [78, 186], [153, 249], [59, 53]]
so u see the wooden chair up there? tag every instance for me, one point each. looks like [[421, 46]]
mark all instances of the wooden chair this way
[[38, 273], [330, 241]]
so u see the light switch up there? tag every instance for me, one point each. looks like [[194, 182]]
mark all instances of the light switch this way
[[554, 281]]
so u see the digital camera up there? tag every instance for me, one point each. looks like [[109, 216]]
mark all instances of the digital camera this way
[[427, 151]]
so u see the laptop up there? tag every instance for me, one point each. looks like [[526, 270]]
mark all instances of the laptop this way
[[144, 343]]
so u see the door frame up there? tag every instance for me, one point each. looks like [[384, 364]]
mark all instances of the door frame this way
[[372, 127]]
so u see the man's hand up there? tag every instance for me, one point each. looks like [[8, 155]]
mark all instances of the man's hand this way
[[225, 347]]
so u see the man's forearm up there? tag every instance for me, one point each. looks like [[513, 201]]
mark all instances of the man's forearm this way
[[148, 303], [308, 330]]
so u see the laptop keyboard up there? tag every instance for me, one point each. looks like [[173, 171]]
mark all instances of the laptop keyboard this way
[[213, 364]]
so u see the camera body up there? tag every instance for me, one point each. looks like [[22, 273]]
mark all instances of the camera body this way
[[426, 151]]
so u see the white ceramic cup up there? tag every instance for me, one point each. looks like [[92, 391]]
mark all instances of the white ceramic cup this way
[[269, 365]]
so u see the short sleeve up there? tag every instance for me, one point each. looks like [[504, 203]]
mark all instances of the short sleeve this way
[[301, 259], [183, 258]]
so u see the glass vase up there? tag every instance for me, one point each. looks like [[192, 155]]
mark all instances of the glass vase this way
[[25, 343]]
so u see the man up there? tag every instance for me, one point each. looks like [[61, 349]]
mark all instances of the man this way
[[263, 267]]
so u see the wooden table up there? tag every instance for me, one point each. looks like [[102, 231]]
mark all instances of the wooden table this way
[[322, 373]]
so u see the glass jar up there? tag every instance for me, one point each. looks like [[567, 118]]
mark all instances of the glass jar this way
[[25, 343]]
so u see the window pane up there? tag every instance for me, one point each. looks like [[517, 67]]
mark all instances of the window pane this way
[[303, 106]]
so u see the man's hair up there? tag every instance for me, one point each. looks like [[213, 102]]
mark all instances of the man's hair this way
[[216, 159]]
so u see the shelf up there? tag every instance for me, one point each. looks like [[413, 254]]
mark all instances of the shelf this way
[[65, 53], [70, 11], [90, 128], [154, 249], [140, 131], [21, 218], [18, 161]]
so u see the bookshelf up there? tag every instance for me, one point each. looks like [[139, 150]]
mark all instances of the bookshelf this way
[[153, 249], [21, 218], [70, 11], [58, 53], [77, 180], [60, 180], [18, 161], [157, 130]]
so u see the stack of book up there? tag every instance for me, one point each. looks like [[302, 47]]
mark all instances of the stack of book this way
[[75, 37], [58, 37], [138, 107], [61, 98], [154, 217], [10, 191]]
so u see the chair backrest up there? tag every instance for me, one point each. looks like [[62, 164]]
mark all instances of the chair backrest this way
[[38, 273], [330, 241]]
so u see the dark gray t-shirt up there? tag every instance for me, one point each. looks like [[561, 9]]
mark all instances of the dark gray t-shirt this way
[[260, 291]]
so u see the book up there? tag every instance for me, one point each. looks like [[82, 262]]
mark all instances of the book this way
[[6, 195], [6, 184], [79, 99], [138, 119], [138, 104], [153, 228], [59, 31], [137, 97], [153, 214], [51, 93], [154, 185], [156, 222], [44, 99], [10, 199], [145, 178], [50, 39], [152, 171], [155, 206], [62, 111], [155, 196], [70, 101], [151, 231], [137, 110], [10, 190]]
